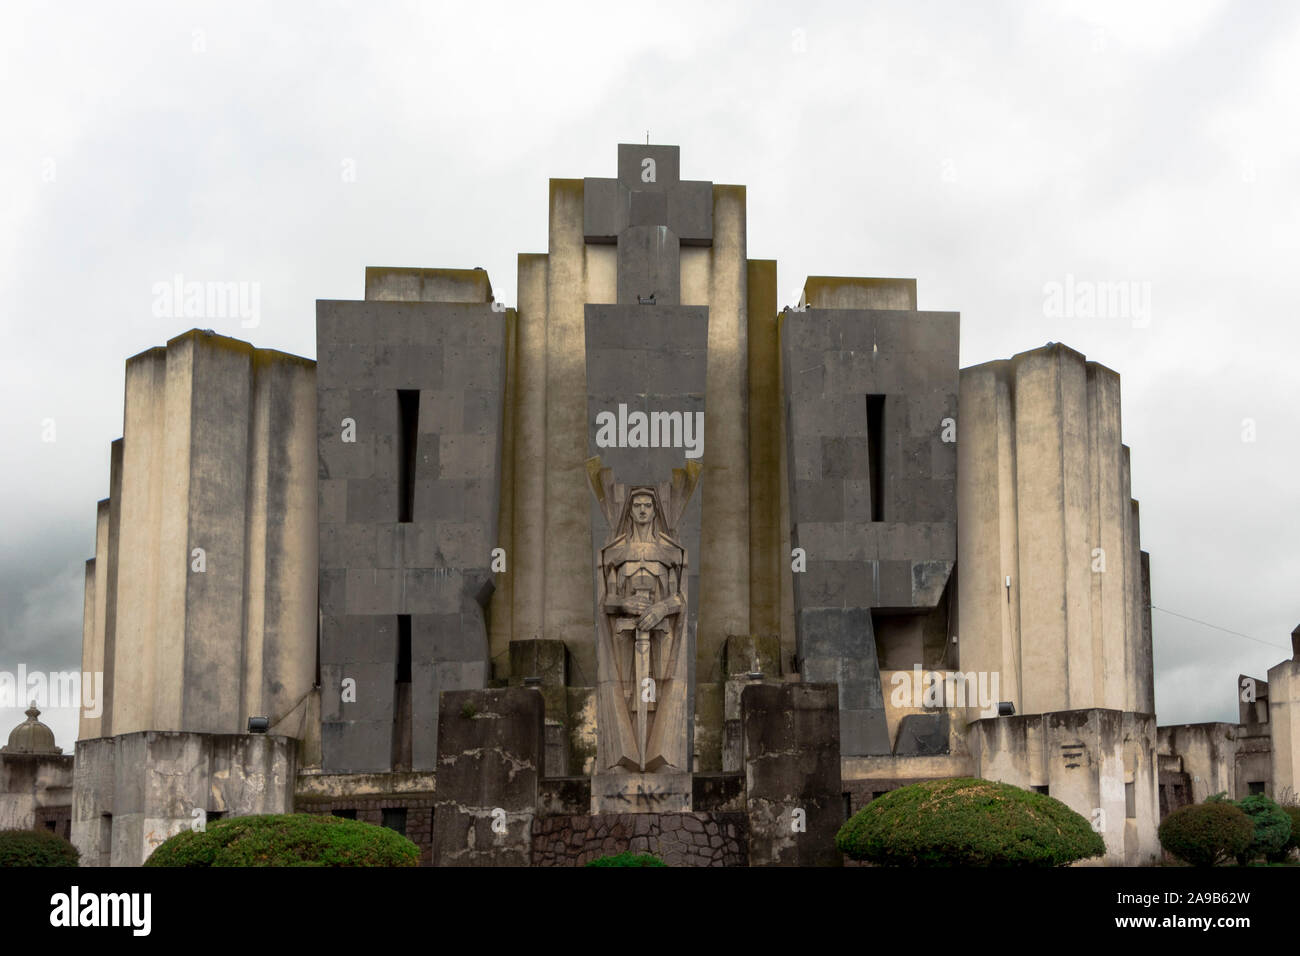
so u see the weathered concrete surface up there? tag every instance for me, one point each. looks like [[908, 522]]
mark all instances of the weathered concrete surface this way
[[792, 773], [30, 783], [1220, 757], [133, 791], [490, 751], [1099, 763]]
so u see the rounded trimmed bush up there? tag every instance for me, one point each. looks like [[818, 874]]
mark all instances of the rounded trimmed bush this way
[[967, 822], [36, 848], [1293, 842], [628, 858], [1272, 827], [1207, 834], [293, 839]]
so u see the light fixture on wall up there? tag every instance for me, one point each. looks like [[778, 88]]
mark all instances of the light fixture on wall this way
[[1006, 708], [258, 725]]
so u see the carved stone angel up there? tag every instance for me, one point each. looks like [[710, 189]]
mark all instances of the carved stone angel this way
[[642, 648]]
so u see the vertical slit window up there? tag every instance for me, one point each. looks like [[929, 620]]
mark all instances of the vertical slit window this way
[[876, 454], [408, 430], [403, 648]]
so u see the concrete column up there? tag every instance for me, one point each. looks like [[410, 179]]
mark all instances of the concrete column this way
[[569, 586], [724, 539], [85, 725], [1040, 505], [217, 520], [285, 386], [762, 340], [981, 591], [501, 606], [96, 616], [1109, 597], [138, 573], [116, 455], [528, 554]]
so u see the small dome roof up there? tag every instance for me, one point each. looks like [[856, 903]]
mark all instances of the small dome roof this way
[[31, 736]]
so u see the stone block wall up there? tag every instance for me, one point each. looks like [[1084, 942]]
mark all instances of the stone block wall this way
[[419, 816], [408, 510], [870, 387], [679, 839]]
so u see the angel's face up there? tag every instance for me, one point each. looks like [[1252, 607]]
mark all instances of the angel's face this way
[[643, 509]]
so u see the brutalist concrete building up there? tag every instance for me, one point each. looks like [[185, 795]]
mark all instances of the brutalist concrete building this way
[[387, 559]]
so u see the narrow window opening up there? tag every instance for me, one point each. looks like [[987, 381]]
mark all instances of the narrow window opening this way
[[395, 819], [1041, 788], [345, 814], [402, 728], [1255, 786], [106, 839], [403, 648], [848, 806], [408, 408], [1130, 801], [876, 454]]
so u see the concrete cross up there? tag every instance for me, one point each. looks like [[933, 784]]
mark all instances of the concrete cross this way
[[649, 212]]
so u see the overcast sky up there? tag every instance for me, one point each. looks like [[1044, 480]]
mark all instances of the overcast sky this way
[[986, 149]]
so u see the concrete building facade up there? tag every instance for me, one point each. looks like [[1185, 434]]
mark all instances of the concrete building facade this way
[[944, 562]]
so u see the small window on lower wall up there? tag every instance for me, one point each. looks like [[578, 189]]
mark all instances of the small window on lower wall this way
[[214, 815], [50, 825], [395, 819], [345, 814], [1041, 788], [1130, 801], [848, 805], [1255, 786]]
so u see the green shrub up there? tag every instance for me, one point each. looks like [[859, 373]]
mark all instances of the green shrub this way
[[1207, 834], [1293, 842], [36, 848], [967, 822], [628, 859], [1272, 827], [298, 839]]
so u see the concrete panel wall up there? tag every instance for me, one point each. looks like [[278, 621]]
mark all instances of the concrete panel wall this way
[[1044, 500], [1091, 760], [1209, 756]]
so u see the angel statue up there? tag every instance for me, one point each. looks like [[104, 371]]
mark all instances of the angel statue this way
[[641, 653]]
